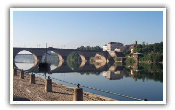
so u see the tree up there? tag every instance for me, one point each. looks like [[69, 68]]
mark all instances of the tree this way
[[97, 48], [81, 48], [151, 52], [74, 60]]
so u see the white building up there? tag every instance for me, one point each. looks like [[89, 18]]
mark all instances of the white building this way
[[105, 47], [112, 46], [119, 47]]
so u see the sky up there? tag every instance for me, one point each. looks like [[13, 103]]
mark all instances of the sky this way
[[71, 29]]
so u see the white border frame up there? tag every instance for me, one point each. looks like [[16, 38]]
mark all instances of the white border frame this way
[[87, 9]]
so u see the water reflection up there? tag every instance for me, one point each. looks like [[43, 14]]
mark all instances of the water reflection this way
[[24, 66], [89, 73], [113, 75], [133, 80], [112, 72]]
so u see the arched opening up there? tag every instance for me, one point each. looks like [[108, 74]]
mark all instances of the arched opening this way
[[25, 60], [53, 58], [99, 60], [74, 60]]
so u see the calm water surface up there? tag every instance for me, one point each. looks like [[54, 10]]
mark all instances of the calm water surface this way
[[145, 83]]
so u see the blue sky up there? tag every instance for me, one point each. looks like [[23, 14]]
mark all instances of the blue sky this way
[[71, 29]]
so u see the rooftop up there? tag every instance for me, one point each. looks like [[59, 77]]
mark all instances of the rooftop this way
[[114, 43]]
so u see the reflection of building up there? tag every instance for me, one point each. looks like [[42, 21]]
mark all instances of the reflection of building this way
[[113, 75], [132, 73], [115, 68]]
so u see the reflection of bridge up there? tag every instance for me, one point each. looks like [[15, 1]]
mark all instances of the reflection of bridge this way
[[66, 69], [85, 55]]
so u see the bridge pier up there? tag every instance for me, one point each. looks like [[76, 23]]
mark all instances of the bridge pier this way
[[65, 62], [39, 59], [87, 60]]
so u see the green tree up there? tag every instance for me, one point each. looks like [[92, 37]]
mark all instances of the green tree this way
[[151, 52], [81, 48], [129, 61], [74, 60], [97, 48]]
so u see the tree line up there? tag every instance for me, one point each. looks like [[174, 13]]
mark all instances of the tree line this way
[[152, 53], [98, 48], [149, 48]]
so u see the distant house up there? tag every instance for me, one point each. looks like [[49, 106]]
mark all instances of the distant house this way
[[121, 49], [105, 47], [111, 46], [118, 47]]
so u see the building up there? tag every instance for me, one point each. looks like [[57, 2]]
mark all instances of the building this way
[[119, 47], [105, 47], [111, 46]]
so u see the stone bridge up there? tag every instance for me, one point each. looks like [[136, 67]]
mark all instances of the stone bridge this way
[[38, 53]]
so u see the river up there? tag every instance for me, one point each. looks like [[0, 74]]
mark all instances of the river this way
[[144, 82]]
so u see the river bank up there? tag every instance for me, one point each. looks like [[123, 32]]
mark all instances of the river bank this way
[[24, 91]]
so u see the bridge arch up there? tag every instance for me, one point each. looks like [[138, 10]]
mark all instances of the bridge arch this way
[[24, 52], [82, 57], [100, 60], [61, 60], [37, 52], [100, 57]]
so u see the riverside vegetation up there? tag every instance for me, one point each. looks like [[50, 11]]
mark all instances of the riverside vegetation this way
[[151, 53]]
